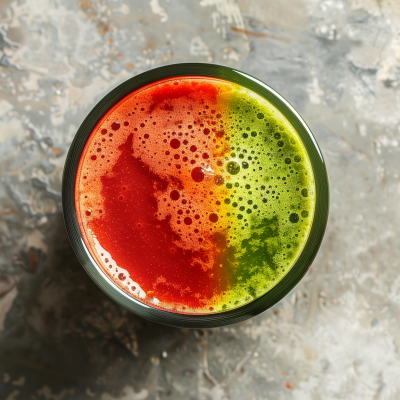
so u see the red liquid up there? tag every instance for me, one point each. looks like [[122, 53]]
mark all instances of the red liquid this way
[[131, 231]]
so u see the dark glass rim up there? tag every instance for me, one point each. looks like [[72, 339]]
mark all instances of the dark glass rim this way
[[246, 311]]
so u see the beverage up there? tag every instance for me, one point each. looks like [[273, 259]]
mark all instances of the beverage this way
[[195, 195]]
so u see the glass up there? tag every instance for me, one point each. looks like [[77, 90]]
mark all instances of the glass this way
[[243, 311]]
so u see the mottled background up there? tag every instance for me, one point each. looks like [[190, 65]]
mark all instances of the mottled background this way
[[336, 335]]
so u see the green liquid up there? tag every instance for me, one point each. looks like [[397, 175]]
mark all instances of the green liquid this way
[[272, 192]]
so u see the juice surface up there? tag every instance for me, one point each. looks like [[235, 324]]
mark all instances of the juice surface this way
[[195, 195]]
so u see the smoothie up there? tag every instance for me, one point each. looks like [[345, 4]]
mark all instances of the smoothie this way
[[195, 195]]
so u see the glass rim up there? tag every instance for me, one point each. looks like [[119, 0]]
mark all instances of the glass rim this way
[[255, 307]]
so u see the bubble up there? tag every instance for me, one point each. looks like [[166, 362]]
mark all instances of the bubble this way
[[235, 204], [188, 221], [206, 131], [304, 214], [197, 216], [88, 212], [213, 217], [115, 126], [250, 202], [297, 158], [254, 133], [249, 211], [240, 216], [175, 195], [277, 135], [193, 148], [103, 131], [206, 156], [294, 218], [280, 143], [146, 136], [93, 158], [198, 174], [245, 165], [245, 135], [219, 180], [288, 161], [121, 277], [175, 143], [304, 192], [227, 201], [233, 167], [260, 115], [229, 185]]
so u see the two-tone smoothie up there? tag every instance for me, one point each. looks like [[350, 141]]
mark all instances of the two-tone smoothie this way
[[195, 195]]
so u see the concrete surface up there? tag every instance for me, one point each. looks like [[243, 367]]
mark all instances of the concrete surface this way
[[336, 336]]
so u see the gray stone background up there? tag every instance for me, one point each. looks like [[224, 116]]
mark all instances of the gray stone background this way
[[336, 335]]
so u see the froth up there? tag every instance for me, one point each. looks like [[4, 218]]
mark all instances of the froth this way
[[119, 275]]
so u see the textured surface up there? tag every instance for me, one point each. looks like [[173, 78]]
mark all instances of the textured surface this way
[[336, 335]]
